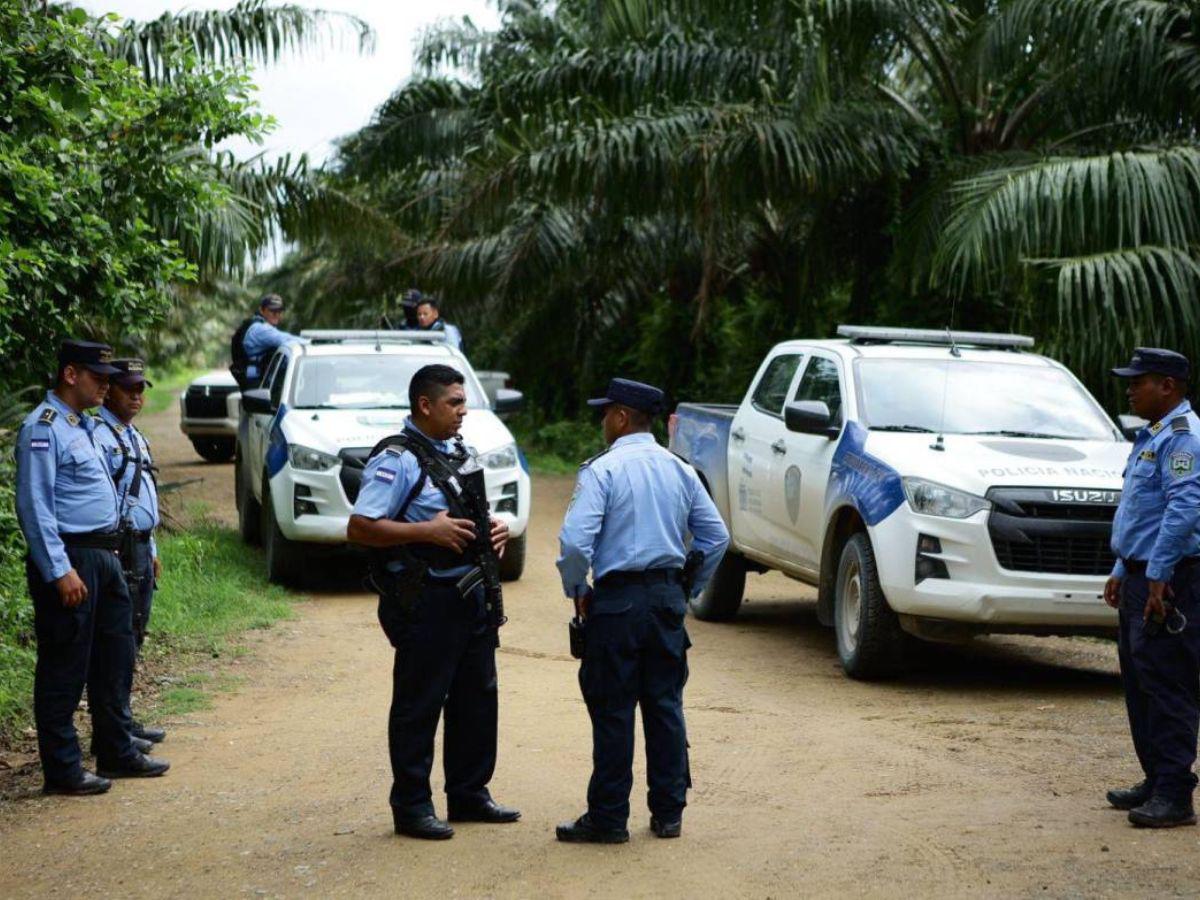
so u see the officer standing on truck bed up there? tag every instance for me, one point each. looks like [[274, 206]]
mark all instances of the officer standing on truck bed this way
[[1155, 586], [633, 507], [67, 507], [256, 339], [435, 606]]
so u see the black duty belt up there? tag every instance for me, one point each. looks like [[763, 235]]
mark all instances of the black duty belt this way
[[143, 537], [649, 576], [93, 540], [1138, 566]]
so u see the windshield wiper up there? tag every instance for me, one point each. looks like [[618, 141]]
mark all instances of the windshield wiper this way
[[911, 429], [1005, 432]]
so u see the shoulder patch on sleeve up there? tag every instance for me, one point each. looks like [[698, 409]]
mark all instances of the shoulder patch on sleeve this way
[[40, 444], [1180, 424], [387, 476], [48, 415], [1182, 463]]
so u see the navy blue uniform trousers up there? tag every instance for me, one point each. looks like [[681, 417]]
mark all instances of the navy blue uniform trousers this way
[[445, 662], [635, 653], [91, 645], [1161, 677]]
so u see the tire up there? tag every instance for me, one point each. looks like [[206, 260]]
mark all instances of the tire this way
[[512, 564], [249, 512], [214, 449], [870, 641], [722, 596], [285, 560]]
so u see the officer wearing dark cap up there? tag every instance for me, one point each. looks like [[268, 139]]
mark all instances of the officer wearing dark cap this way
[[67, 507], [133, 472], [1155, 586], [633, 508], [256, 339]]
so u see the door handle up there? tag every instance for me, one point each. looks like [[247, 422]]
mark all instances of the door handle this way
[[737, 434], [779, 447]]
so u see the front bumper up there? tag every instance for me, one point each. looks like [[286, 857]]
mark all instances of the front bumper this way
[[225, 425], [324, 510], [978, 591]]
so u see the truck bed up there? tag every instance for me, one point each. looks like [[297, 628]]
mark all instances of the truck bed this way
[[701, 436]]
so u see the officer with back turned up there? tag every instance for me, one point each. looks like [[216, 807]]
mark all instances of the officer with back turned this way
[[1155, 587], [422, 505], [67, 507], [628, 522], [133, 472]]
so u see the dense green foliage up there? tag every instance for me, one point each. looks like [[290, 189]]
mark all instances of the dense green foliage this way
[[664, 188]]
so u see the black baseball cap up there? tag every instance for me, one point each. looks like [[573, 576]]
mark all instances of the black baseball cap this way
[[1155, 361], [132, 371], [642, 397], [272, 302], [89, 354]]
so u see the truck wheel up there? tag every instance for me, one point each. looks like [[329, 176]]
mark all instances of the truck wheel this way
[[722, 596], [285, 561], [512, 564], [870, 641], [249, 513], [214, 449]]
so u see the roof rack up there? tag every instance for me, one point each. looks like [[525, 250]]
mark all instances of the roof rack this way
[[372, 336], [864, 334]]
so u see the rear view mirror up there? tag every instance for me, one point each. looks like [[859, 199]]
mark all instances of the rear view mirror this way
[[508, 400], [1131, 425], [810, 417], [257, 401]]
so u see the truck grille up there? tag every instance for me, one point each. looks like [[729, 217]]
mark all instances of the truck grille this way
[[207, 401], [1063, 532], [354, 460]]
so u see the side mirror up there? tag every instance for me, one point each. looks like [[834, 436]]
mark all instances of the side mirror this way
[[257, 401], [1131, 425], [810, 417], [508, 401]]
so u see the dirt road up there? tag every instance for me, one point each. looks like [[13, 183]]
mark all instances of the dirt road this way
[[981, 775]]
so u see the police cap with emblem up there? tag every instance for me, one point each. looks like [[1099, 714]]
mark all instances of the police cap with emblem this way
[[1153, 361], [88, 354], [642, 397], [271, 302], [132, 372]]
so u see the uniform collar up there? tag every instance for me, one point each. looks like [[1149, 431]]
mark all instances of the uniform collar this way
[[114, 420], [412, 426], [73, 418], [1182, 409], [641, 437]]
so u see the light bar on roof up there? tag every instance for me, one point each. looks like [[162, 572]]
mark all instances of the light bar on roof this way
[[370, 336], [866, 334]]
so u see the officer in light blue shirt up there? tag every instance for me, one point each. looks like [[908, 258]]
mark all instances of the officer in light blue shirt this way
[[67, 508], [263, 336], [1155, 585], [430, 319], [633, 508], [132, 468]]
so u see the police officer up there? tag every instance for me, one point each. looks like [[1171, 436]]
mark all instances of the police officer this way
[[429, 317], [1155, 585], [68, 511], [445, 648], [256, 339], [633, 507], [132, 469]]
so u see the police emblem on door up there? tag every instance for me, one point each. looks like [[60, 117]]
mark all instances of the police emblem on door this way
[[791, 493]]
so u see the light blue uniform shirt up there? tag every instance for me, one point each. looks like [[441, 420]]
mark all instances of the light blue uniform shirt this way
[[386, 483], [453, 335], [632, 509], [63, 484], [261, 339], [142, 512], [1158, 519]]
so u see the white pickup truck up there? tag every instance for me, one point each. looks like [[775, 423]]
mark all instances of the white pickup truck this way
[[928, 484]]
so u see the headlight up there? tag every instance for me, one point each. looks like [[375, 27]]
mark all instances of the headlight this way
[[310, 460], [933, 499], [504, 458]]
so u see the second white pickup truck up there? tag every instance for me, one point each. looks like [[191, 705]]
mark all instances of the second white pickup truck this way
[[928, 484]]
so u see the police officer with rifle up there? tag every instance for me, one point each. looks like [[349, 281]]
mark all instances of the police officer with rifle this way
[[422, 509]]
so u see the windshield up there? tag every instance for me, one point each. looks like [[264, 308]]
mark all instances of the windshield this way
[[375, 381], [979, 398]]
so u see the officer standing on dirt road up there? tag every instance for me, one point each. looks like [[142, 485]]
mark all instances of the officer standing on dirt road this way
[[433, 611], [1155, 586], [67, 508], [633, 507], [133, 472]]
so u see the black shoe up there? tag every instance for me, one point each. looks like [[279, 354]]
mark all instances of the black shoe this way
[[490, 812], [148, 733], [1159, 812], [141, 766], [582, 831], [139, 745], [1129, 798], [665, 829], [427, 828], [86, 784]]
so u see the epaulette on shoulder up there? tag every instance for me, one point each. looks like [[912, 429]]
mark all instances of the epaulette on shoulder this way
[[1179, 424], [49, 414], [393, 450], [588, 462]]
